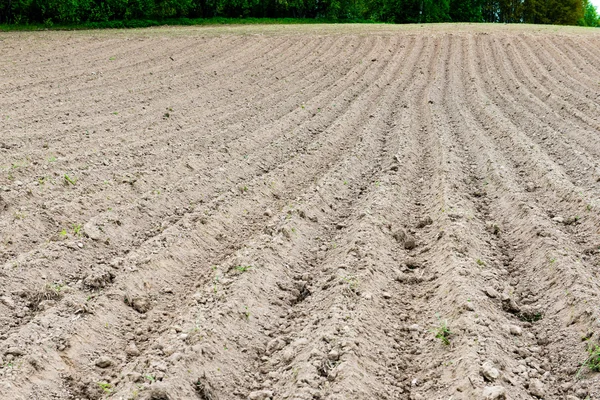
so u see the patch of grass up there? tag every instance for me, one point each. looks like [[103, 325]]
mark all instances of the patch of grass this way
[[105, 386], [143, 23], [592, 362], [480, 262], [52, 159], [442, 332], [69, 180], [77, 229], [243, 268]]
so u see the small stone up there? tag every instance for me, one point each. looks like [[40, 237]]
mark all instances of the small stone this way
[[288, 355], [491, 292], [367, 296], [386, 295], [399, 235], [489, 372], [92, 231], [515, 330], [414, 328], [7, 301], [103, 362], [536, 388], [135, 376], [424, 222], [132, 350], [18, 183], [80, 245], [274, 345], [333, 355], [260, 395], [494, 393], [410, 243], [14, 351], [469, 306], [268, 212], [140, 304]]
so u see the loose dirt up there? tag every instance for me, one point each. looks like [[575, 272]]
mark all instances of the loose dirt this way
[[300, 212]]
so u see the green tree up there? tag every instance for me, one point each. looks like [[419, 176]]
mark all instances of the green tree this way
[[590, 15]]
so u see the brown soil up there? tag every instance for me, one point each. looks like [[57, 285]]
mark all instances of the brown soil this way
[[293, 212]]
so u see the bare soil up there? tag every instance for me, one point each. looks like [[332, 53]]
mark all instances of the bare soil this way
[[300, 212]]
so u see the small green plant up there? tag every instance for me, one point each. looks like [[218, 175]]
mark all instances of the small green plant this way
[[52, 159], [105, 386], [243, 268], [63, 232], [352, 282], [589, 207], [480, 262], [77, 229], [442, 332], [592, 362], [150, 377], [69, 180], [247, 313]]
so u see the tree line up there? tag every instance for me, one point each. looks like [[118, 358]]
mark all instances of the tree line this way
[[564, 12]]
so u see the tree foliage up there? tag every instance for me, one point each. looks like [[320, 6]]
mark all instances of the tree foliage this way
[[49, 12]]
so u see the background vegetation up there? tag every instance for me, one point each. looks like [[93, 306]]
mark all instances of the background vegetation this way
[[131, 13]]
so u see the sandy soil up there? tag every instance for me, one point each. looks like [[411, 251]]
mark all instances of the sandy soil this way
[[296, 212]]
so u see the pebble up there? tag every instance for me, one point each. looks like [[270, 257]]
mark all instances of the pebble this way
[[7, 301], [260, 395], [333, 355], [132, 350], [494, 393], [288, 355], [536, 388], [491, 292], [515, 330], [103, 362], [15, 351], [489, 372]]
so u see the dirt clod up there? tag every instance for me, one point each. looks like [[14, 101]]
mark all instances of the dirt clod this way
[[494, 393], [103, 362]]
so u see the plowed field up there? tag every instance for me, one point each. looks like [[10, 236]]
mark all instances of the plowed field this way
[[300, 212]]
